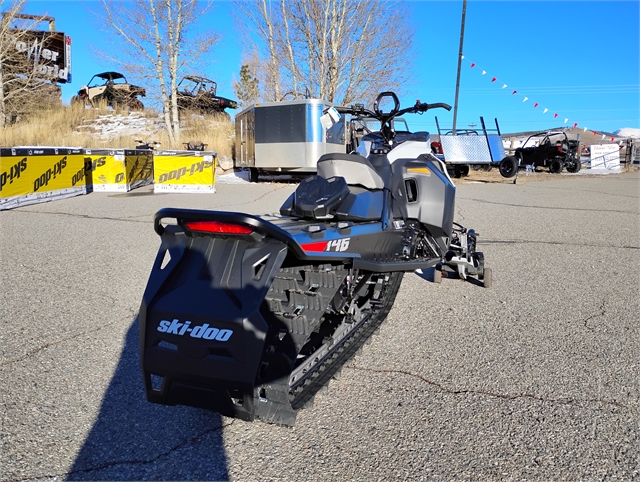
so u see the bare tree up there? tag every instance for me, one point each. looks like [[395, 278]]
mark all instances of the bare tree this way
[[158, 43], [339, 50], [27, 76]]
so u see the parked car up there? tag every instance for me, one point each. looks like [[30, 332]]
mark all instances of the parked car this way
[[199, 94], [550, 149], [112, 88]]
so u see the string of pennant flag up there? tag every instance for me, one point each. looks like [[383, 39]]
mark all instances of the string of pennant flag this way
[[494, 80]]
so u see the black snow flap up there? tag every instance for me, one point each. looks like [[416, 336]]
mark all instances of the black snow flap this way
[[202, 331]]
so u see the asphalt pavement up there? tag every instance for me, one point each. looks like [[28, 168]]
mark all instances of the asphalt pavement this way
[[536, 378]]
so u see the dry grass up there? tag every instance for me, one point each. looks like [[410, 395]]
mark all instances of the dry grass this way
[[79, 127]]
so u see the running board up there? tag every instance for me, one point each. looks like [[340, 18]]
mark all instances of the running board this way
[[389, 266]]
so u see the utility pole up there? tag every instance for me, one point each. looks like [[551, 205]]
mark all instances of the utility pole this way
[[455, 105]]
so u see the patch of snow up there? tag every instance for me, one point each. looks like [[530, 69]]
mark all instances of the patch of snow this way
[[237, 177], [113, 126], [628, 132]]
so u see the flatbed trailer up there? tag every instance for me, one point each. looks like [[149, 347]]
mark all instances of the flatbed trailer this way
[[468, 147]]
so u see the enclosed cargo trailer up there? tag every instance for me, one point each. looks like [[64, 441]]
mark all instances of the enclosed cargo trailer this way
[[286, 137]]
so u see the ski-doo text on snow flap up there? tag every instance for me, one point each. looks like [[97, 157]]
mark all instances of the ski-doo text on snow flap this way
[[200, 331]]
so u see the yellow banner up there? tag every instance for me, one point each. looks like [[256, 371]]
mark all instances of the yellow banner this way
[[30, 175], [119, 170], [184, 171]]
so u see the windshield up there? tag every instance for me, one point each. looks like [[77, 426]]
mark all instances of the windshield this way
[[399, 124]]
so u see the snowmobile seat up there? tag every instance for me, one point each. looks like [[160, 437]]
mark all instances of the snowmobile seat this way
[[361, 205], [355, 169]]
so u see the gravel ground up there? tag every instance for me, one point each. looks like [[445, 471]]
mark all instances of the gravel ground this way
[[535, 378]]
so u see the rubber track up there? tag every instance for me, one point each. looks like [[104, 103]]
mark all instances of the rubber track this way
[[282, 404], [348, 347]]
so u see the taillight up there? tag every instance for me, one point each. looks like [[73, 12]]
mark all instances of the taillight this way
[[217, 227], [559, 148]]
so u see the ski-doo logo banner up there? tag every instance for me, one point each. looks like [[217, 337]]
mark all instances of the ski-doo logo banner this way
[[205, 331], [39, 173], [176, 171]]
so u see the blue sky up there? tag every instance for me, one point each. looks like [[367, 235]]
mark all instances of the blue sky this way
[[579, 59]]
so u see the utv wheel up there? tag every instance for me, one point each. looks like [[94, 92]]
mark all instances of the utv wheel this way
[[556, 165], [574, 166], [462, 171], [508, 167], [486, 277], [76, 100], [135, 104], [253, 174]]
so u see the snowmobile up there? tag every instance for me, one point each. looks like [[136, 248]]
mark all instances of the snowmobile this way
[[251, 316]]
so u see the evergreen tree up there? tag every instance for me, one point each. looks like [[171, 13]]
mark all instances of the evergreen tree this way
[[247, 89]]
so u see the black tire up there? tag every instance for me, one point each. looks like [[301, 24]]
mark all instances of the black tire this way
[[77, 100], [135, 104], [556, 165], [573, 165], [508, 167], [463, 170], [253, 174], [487, 277]]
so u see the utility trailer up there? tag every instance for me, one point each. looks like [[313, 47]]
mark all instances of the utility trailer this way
[[286, 137], [468, 147]]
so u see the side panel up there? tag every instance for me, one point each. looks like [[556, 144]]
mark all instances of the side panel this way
[[433, 201], [293, 155]]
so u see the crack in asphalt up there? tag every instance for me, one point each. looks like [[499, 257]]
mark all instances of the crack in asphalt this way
[[555, 208], [558, 243], [531, 396], [86, 216], [62, 340], [597, 315], [116, 463], [29, 354]]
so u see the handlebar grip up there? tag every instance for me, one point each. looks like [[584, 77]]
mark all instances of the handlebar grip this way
[[440, 105]]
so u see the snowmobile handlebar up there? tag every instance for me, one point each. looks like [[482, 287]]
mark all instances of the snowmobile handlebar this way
[[376, 113]]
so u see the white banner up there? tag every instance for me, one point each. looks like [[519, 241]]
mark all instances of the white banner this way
[[605, 156]]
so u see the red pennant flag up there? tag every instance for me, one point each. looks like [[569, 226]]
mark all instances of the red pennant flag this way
[[612, 139], [555, 115], [575, 124], [473, 64], [494, 79], [513, 93], [595, 133], [535, 105]]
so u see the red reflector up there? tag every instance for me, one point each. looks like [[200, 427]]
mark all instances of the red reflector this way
[[218, 227], [320, 246]]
